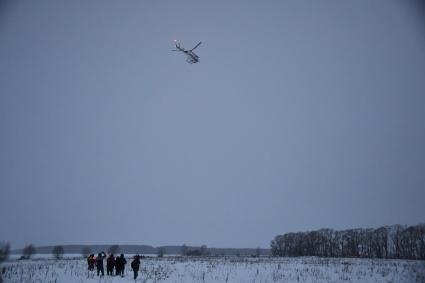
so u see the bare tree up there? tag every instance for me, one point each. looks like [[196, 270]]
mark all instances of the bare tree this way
[[57, 252], [85, 252], [28, 251], [204, 250], [258, 251], [4, 254], [161, 251], [4, 251], [277, 245], [114, 249], [184, 250]]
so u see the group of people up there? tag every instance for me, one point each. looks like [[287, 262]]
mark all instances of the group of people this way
[[112, 262]]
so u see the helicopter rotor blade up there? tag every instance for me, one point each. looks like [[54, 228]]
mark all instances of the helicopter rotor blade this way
[[196, 46]]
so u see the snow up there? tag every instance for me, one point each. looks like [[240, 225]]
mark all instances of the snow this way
[[224, 269]]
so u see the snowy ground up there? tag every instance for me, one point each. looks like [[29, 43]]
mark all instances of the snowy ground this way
[[225, 269]]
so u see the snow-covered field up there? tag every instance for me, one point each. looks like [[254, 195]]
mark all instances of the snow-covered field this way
[[225, 269]]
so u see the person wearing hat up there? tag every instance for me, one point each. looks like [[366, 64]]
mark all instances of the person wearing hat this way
[[135, 265], [99, 263]]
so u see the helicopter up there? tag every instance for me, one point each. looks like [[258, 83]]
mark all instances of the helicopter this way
[[191, 56]]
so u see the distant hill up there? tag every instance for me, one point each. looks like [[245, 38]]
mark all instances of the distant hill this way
[[145, 249], [77, 249]]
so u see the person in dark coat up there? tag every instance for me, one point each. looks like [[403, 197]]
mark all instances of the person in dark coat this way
[[120, 262], [117, 266], [135, 265], [90, 262], [110, 263], [99, 263]]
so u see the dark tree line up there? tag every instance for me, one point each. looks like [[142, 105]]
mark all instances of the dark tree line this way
[[4, 254], [58, 252], [201, 251], [386, 242], [28, 251], [4, 251]]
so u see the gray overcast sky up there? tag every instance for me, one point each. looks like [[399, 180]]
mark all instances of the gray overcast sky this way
[[301, 115]]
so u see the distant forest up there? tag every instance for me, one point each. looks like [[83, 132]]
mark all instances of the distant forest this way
[[397, 242], [146, 249]]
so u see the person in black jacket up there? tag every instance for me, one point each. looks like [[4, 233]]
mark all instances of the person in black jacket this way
[[99, 263], [90, 262], [135, 265], [120, 265], [110, 263], [117, 266]]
